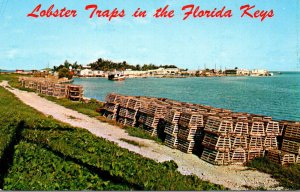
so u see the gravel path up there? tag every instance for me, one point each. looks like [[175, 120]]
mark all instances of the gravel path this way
[[233, 176]]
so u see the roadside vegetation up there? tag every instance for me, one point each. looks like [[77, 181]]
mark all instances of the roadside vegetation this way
[[40, 153], [287, 176]]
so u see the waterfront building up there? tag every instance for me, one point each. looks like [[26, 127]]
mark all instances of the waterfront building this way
[[259, 72]]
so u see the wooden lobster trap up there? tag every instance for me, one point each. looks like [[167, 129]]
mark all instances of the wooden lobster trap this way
[[185, 146], [150, 130], [256, 142], [257, 129], [75, 92], [272, 128], [239, 142], [131, 113], [189, 134], [50, 89], [130, 122], [111, 97], [191, 120], [281, 157], [171, 129], [254, 153], [292, 131], [241, 128], [290, 146], [218, 126], [171, 141], [155, 109], [152, 121], [134, 104], [141, 118], [238, 156], [172, 116], [270, 143], [215, 157], [60, 90], [122, 112], [215, 142], [111, 107]]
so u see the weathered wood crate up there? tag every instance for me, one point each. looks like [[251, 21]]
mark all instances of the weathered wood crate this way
[[292, 131], [218, 126], [134, 104], [257, 129], [152, 121], [254, 153], [239, 142], [111, 107], [191, 120], [270, 143], [75, 92], [150, 130], [189, 134], [256, 142], [290, 146], [60, 90], [215, 142], [111, 97], [185, 146], [122, 112], [171, 141], [130, 122], [172, 116], [241, 128], [272, 129], [50, 89], [131, 113], [238, 156], [171, 129], [124, 101], [215, 157], [281, 157]]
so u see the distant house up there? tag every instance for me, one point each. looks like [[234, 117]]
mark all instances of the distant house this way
[[259, 72], [243, 72], [86, 73], [231, 72], [97, 73]]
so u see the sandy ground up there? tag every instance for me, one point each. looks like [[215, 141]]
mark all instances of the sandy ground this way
[[233, 176]]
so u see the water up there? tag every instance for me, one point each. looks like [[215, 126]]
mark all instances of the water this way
[[277, 96]]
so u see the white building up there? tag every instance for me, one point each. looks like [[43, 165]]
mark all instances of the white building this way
[[86, 73], [132, 73], [243, 72], [259, 72]]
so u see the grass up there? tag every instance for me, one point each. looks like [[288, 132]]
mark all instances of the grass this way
[[137, 132], [49, 155], [89, 108], [288, 177]]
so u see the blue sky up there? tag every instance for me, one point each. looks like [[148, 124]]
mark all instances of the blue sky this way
[[27, 43]]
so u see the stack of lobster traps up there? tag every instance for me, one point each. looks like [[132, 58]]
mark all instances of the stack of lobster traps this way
[[60, 90], [111, 106], [290, 149], [150, 117], [217, 142], [53, 87], [129, 107], [190, 131], [171, 127]]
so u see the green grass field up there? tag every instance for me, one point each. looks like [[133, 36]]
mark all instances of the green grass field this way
[[39, 153]]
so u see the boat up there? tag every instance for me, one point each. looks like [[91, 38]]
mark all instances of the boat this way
[[116, 76]]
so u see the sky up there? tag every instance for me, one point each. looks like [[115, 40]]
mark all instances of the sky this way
[[194, 43]]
